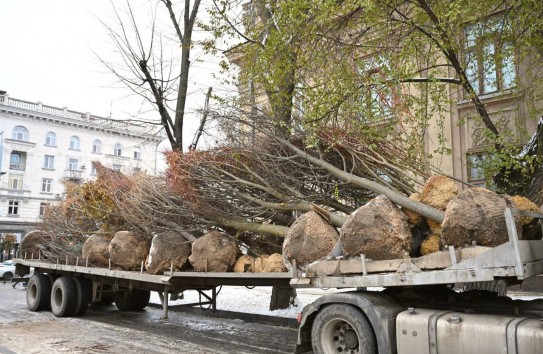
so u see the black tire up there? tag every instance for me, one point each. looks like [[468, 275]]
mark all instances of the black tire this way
[[342, 329], [38, 292], [7, 276], [63, 297], [142, 299], [84, 294], [126, 300]]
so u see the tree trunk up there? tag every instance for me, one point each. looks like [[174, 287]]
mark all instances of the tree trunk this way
[[282, 297]]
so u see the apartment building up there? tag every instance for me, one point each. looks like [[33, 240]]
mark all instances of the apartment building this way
[[41, 146]]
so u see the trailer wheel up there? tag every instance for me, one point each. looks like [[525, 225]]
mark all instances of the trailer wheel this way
[[64, 297], [38, 292], [84, 293], [125, 300], [142, 299], [342, 329], [7, 276]]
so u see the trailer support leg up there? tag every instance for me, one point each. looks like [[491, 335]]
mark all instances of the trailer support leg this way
[[214, 299], [164, 300]]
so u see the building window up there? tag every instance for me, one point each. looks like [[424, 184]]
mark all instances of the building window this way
[[20, 133], [43, 208], [13, 207], [73, 164], [137, 154], [15, 182], [93, 169], [490, 61], [47, 185], [117, 149], [477, 162], [49, 162], [97, 146], [17, 161], [74, 143], [51, 139], [377, 98], [117, 167]]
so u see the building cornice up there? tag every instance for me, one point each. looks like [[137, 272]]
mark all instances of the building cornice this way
[[37, 111]]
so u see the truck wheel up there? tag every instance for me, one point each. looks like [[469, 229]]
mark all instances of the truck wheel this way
[[38, 292], [142, 299], [126, 300], [84, 293], [342, 329], [7, 276], [64, 297]]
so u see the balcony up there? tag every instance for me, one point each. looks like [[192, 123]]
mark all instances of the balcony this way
[[73, 175], [17, 166]]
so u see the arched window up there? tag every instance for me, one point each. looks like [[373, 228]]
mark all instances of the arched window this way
[[137, 154], [97, 146], [19, 133], [51, 139], [74, 143], [117, 150]]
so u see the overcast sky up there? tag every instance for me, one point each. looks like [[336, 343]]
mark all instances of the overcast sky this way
[[46, 54]]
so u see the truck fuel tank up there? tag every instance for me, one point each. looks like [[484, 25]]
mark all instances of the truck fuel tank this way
[[447, 332]]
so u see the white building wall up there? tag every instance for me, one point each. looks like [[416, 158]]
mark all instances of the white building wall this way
[[38, 120]]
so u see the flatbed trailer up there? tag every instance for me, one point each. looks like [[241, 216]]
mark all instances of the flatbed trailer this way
[[416, 311]]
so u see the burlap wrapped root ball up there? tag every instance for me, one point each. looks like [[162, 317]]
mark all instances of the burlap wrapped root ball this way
[[378, 230], [127, 250], [476, 214], [245, 264], [430, 244], [260, 263], [166, 249], [96, 249], [438, 191], [308, 239], [531, 229], [275, 264], [413, 218], [214, 252], [33, 244]]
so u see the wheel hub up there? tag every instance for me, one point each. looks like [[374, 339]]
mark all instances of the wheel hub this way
[[345, 338]]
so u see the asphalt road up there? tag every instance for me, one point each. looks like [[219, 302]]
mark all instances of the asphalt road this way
[[107, 330]]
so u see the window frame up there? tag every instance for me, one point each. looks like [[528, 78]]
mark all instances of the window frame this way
[[73, 161], [117, 149], [97, 146], [137, 154], [477, 69], [20, 130], [13, 207], [50, 136], [47, 185], [46, 160], [43, 207], [75, 143], [19, 179]]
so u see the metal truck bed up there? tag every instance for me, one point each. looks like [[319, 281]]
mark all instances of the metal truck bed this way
[[516, 259]]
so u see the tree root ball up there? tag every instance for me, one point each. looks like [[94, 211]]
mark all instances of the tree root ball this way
[[378, 230], [260, 263], [244, 264], [127, 250], [308, 239], [96, 249], [214, 252], [33, 244], [412, 217], [274, 264], [438, 191], [166, 249], [523, 203], [430, 244], [476, 214]]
